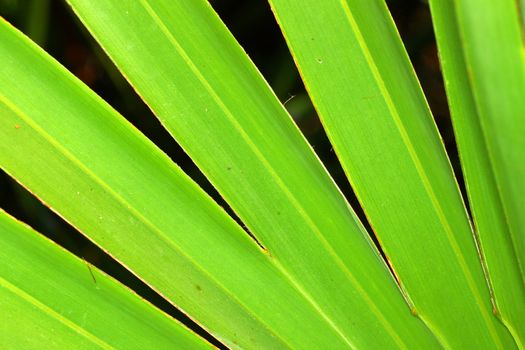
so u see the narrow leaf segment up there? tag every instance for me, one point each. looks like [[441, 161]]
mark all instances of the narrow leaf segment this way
[[48, 299], [484, 197], [493, 50], [362, 84]]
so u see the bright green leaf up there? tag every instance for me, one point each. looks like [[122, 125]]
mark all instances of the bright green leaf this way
[[187, 67], [493, 51], [362, 84], [485, 201], [51, 299], [87, 163]]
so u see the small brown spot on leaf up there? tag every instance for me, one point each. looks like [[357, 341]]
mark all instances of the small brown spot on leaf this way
[[495, 311], [17, 126]]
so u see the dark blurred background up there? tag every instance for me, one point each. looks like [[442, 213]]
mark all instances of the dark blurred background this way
[[53, 26]]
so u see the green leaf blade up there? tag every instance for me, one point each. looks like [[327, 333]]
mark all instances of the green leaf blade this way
[[88, 164], [199, 83], [50, 297], [494, 60], [485, 201], [360, 80]]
